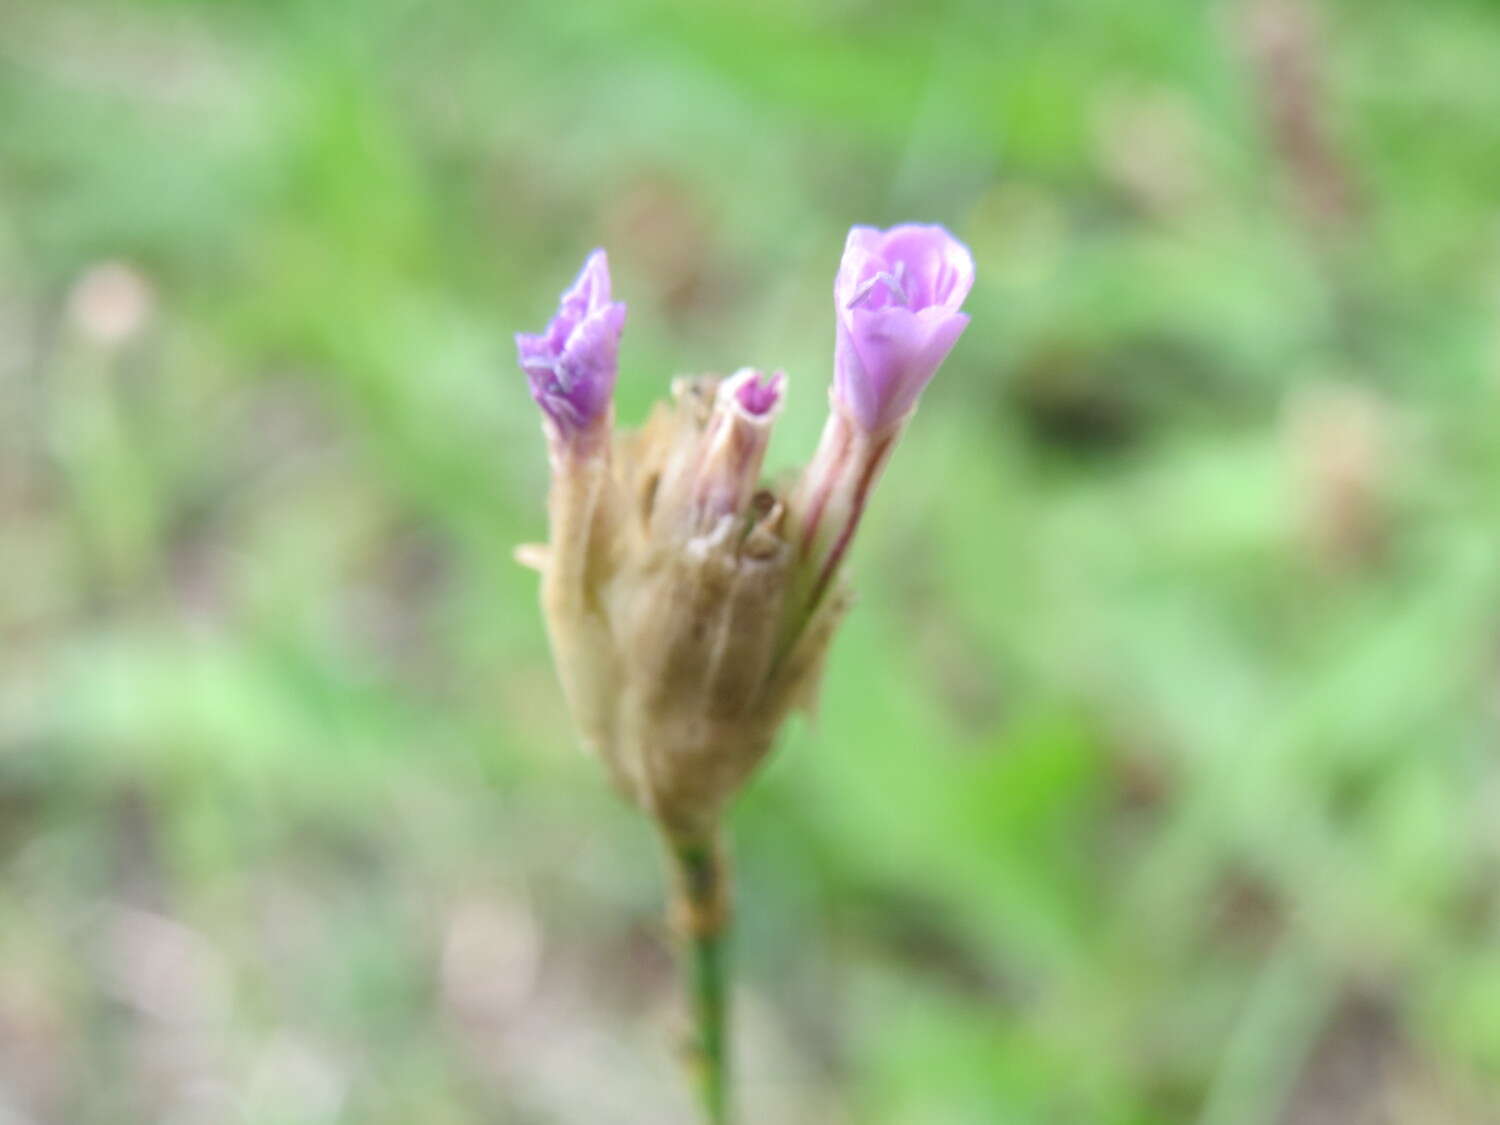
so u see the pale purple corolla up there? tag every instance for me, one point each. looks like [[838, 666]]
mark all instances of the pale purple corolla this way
[[571, 366], [897, 304], [897, 300]]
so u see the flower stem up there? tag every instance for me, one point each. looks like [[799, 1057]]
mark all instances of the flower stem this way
[[700, 916]]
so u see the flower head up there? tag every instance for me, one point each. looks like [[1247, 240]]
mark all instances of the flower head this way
[[689, 601], [571, 366], [690, 604], [897, 298]]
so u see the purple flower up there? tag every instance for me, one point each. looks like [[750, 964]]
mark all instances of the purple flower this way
[[757, 393], [734, 445], [897, 298], [572, 365]]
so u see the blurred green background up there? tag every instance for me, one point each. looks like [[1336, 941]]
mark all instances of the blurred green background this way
[[1156, 776]]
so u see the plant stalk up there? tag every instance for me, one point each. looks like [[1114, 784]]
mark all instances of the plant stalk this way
[[699, 913]]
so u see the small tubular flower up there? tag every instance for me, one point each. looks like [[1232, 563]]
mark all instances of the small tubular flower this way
[[572, 365], [735, 443], [897, 299]]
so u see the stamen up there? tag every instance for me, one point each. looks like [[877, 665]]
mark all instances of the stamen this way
[[893, 281], [564, 377]]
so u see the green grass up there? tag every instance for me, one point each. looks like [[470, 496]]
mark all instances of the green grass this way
[[1154, 779]]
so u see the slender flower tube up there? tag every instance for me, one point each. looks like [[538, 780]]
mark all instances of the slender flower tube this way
[[572, 365], [897, 300], [734, 445]]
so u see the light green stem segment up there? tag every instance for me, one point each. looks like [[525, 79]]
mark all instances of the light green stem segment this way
[[710, 1013], [700, 915]]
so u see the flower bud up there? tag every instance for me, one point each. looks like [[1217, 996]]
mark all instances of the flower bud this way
[[572, 366], [571, 369]]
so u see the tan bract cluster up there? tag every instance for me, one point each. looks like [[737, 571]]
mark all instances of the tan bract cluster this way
[[678, 601]]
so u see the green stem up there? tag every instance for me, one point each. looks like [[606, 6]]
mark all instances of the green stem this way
[[700, 915], [709, 1009]]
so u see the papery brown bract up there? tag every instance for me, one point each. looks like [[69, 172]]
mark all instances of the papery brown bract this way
[[671, 639]]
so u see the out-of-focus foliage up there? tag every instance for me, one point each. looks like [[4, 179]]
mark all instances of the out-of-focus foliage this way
[[1155, 779]]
